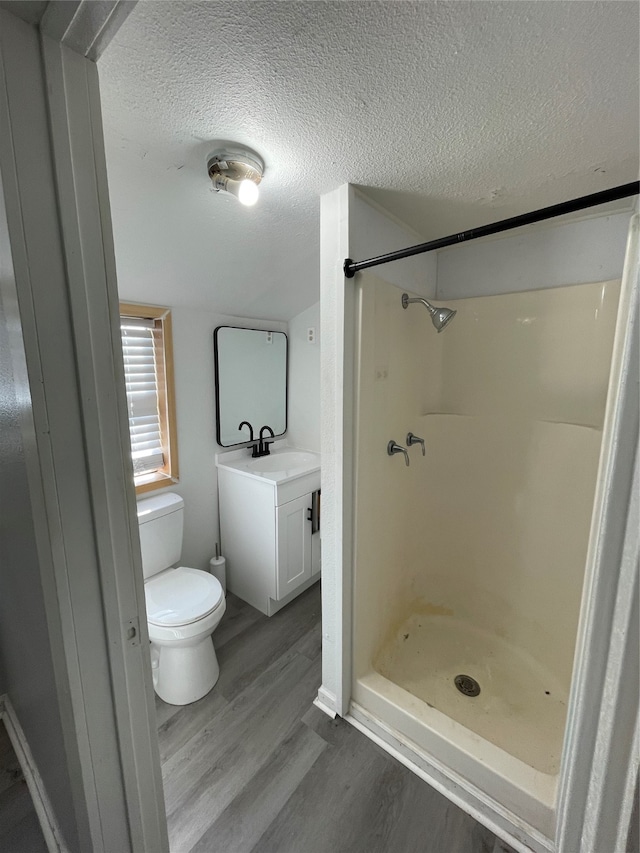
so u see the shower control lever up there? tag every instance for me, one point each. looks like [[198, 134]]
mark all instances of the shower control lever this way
[[413, 439], [392, 448]]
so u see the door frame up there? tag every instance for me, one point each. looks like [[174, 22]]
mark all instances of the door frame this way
[[64, 305]]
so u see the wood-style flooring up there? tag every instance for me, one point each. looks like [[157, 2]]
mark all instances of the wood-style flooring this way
[[254, 767], [19, 827]]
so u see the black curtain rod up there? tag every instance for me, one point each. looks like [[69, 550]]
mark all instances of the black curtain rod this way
[[624, 191]]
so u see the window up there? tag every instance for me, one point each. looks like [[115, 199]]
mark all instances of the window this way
[[148, 372]]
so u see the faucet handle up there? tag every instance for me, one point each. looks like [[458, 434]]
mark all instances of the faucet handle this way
[[392, 448], [413, 439]]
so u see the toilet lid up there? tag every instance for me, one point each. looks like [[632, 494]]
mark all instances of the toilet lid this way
[[181, 596]]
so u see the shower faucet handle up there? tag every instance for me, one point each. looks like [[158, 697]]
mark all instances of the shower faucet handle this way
[[392, 448], [413, 439]]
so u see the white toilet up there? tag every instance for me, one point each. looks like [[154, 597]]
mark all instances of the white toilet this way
[[184, 606]]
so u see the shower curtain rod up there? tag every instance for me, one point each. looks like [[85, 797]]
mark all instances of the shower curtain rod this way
[[625, 191]]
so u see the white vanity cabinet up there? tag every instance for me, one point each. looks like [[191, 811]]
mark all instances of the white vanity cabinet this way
[[267, 522]]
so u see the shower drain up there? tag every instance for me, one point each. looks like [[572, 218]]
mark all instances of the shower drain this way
[[467, 685]]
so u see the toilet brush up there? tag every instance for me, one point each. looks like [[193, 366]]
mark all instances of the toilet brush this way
[[218, 568]]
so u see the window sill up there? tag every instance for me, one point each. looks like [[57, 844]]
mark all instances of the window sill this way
[[151, 482]]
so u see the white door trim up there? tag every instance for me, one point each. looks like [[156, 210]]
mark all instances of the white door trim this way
[[85, 26], [79, 162], [337, 309], [75, 436], [607, 659]]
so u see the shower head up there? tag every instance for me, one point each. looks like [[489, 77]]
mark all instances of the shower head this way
[[440, 317]]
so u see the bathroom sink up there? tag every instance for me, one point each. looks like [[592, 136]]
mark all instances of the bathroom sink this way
[[280, 466], [285, 460]]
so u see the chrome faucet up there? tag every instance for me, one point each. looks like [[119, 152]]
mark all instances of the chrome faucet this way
[[392, 448], [413, 439]]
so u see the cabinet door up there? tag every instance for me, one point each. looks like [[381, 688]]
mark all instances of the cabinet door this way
[[294, 544]]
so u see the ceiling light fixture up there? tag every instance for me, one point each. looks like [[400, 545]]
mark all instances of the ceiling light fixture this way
[[237, 172]]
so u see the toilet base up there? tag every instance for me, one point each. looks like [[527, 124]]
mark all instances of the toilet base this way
[[184, 674]]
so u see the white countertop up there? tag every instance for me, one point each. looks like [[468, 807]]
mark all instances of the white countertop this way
[[283, 463]]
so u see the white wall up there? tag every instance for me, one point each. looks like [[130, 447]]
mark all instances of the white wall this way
[[195, 410], [196, 422], [350, 226], [304, 380], [542, 256], [373, 231]]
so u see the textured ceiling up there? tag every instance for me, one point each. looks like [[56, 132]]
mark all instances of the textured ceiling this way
[[451, 114]]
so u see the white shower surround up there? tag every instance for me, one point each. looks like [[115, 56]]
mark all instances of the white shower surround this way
[[484, 540], [353, 228]]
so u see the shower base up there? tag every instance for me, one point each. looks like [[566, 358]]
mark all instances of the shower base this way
[[521, 708]]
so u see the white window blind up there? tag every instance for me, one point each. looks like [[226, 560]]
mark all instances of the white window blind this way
[[141, 378]]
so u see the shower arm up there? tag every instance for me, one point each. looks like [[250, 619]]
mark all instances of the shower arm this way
[[406, 300]]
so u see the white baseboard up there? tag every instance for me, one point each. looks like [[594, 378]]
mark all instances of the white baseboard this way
[[326, 701], [44, 811]]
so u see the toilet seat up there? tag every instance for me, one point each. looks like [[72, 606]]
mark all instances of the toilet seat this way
[[181, 596]]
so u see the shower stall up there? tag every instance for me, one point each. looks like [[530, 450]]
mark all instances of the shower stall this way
[[469, 600], [469, 563]]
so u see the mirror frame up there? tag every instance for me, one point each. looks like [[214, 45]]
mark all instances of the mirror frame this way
[[216, 363]]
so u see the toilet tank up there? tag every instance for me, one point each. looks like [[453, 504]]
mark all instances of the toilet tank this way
[[160, 519]]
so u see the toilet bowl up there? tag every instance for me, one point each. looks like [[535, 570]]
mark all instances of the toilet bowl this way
[[184, 606]]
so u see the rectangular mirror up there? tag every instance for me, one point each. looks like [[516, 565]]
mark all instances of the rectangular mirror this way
[[251, 383]]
